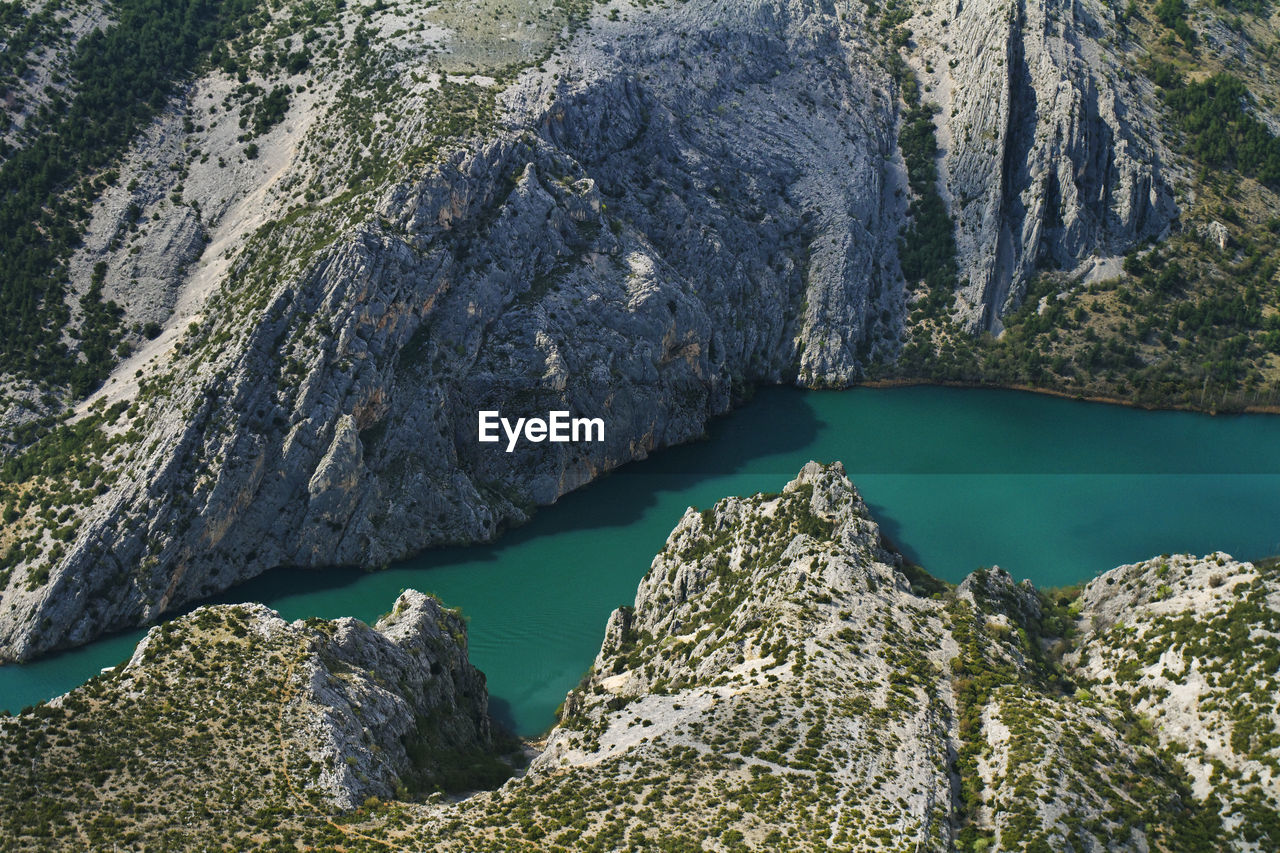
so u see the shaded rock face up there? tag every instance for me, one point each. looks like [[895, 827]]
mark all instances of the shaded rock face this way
[[374, 692], [701, 198], [230, 710], [611, 254], [753, 145], [358, 695], [1052, 151]]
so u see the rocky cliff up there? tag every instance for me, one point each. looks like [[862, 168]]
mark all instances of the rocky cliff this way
[[1052, 149], [783, 681], [664, 206], [228, 714]]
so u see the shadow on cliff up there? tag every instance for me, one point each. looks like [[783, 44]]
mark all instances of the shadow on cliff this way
[[501, 712], [776, 422], [891, 532]]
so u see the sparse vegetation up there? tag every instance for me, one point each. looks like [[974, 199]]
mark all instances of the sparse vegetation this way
[[776, 684], [122, 76]]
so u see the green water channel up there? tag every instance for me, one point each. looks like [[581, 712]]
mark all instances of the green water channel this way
[[1053, 490]]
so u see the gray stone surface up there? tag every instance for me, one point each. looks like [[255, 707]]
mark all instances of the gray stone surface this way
[[680, 203], [1052, 148]]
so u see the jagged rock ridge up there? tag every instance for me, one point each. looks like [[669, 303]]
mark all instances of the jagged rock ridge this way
[[785, 682], [230, 710]]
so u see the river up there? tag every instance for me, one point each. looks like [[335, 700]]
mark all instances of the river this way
[[1053, 490]]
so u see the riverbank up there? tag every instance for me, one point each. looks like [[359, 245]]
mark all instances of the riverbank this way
[[1050, 490], [1079, 396]]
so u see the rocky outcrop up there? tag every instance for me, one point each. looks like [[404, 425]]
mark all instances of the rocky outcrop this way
[[238, 710], [782, 681], [778, 635], [394, 703], [609, 254], [995, 584], [783, 678], [1052, 152], [777, 625]]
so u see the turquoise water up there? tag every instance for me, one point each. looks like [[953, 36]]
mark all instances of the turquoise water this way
[[1050, 489]]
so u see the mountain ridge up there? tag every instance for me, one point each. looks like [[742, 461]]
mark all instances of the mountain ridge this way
[[782, 681], [631, 213]]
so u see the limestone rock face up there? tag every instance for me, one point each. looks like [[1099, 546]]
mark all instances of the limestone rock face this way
[[375, 691], [680, 202], [1052, 149], [607, 253], [782, 675], [234, 706], [782, 680]]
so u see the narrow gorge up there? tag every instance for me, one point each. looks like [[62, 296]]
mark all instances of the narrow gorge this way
[[628, 212], [784, 680]]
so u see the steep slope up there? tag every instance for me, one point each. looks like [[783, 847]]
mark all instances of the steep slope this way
[[325, 407], [782, 682], [779, 684], [40, 40], [1193, 645], [229, 715], [1051, 152], [1070, 134], [670, 204]]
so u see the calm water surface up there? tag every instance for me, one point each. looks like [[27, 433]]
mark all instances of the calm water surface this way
[[1050, 489]]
